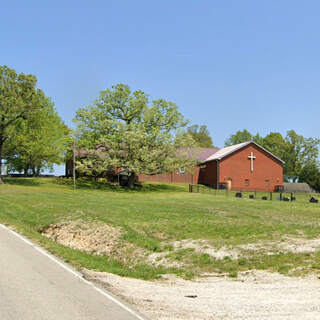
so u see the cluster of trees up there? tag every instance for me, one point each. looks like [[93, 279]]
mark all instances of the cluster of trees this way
[[124, 131], [32, 135], [300, 154], [121, 130], [200, 136]]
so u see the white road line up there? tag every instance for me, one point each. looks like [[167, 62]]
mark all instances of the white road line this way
[[79, 276]]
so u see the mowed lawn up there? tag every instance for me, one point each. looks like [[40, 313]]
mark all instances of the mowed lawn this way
[[155, 218]]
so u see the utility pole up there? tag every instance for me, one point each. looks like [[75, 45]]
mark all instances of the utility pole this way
[[74, 165]]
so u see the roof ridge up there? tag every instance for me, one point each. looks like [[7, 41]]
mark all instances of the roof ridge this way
[[231, 149]]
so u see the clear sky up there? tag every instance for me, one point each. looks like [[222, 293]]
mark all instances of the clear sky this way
[[228, 64]]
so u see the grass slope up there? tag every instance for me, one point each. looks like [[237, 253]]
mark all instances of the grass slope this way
[[155, 216]]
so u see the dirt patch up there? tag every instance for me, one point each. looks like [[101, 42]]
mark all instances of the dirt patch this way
[[202, 246], [254, 295], [287, 245], [159, 259], [94, 238], [300, 245]]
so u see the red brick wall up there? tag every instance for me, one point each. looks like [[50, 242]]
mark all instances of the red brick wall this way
[[174, 177], [208, 174], [238, 167]]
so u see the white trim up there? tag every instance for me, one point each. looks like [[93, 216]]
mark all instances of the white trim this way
[[76, 274]]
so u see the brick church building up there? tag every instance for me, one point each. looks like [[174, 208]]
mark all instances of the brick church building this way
[[245, 166]]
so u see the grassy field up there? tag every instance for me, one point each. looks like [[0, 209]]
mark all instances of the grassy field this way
[[158, 220]]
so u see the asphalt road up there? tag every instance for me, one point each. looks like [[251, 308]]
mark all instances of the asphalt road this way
[[35, 287]]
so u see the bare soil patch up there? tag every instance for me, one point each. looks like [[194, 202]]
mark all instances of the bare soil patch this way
[[203, 246], [254, 295], [94, 238], [286, 245]]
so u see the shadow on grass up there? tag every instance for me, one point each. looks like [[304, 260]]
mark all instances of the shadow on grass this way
[[91, 184], [28, 182]]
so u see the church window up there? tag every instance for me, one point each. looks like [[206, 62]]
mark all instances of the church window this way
[[246, 182], [267, 183]]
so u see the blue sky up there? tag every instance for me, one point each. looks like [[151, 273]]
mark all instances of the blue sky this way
[[227, 64]]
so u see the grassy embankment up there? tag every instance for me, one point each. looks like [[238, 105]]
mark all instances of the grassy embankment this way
[[155, 217]]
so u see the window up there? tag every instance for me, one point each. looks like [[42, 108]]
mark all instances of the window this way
[[182, 170], [267, 183], [246, 182]]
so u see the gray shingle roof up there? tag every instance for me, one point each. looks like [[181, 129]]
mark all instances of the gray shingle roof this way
[[297, 188]]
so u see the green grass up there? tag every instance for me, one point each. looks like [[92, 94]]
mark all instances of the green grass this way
[[154, 216]]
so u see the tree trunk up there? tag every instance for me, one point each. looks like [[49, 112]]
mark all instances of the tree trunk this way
[[1, 182], [25, 171], [1, 145], [131, 180], [33, 171]]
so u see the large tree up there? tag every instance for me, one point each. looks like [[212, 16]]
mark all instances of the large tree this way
[[18, 99], [299, 152], [275, 143], [122, 130], [238, 137], [200, 135], [242, 136], [310, 174], [39, 141]]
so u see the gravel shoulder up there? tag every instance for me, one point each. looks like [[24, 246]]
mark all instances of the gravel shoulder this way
[[253, 295]]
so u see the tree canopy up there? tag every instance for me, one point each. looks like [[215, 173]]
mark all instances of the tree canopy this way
[[200, 135], [123, 130], [32, 135], [39, 141], [299, 152], [239, 137], [18, 99]]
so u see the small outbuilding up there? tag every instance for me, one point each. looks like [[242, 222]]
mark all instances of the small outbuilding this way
[[297, 188]]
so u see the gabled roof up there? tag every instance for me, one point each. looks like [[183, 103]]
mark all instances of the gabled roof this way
[[197, 154], [222, 153]]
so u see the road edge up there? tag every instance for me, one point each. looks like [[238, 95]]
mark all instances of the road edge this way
[[77, 274]]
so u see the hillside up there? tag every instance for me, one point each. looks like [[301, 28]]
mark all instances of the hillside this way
[[162, 229]]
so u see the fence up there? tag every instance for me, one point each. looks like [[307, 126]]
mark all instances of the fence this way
[[256, 194]]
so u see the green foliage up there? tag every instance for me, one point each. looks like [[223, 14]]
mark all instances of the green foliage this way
[[275, 143], [242, 136], [200, 135], [299, 152], [40, 140], [123, 131], [18, 99], [310, 174]]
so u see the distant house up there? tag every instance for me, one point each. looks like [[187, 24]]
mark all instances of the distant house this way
[[245, 166]]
